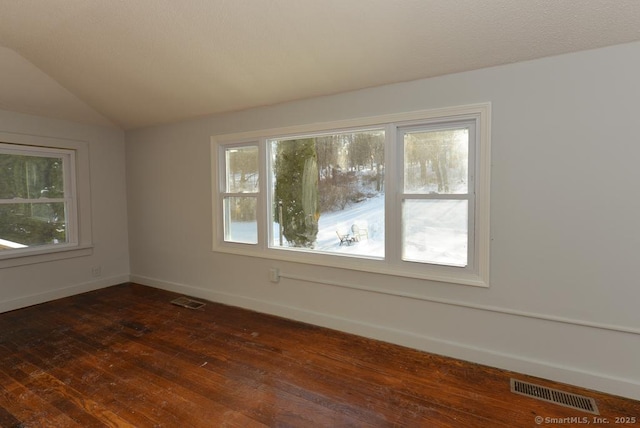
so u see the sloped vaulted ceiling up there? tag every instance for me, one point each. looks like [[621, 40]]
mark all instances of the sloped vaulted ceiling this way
[[136, 63]]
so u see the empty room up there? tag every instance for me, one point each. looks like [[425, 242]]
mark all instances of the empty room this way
[[305, 213]]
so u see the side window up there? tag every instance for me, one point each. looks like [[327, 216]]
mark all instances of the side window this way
[[37, 197], [437, 194], [240, 194]]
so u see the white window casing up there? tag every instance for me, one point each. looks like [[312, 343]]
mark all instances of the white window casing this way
[[473, 271], [76, 199]]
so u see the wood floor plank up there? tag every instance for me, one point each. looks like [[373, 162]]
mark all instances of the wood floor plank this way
[[158, 397], [25, 401], [156, 358], [125, 356], [282, 368]]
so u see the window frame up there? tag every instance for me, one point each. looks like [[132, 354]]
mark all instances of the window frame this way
[[477, 271], [224, 193], [268, 198], [469, 196], [76, 198]]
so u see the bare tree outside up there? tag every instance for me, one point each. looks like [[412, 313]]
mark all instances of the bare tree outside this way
[[436, 161]]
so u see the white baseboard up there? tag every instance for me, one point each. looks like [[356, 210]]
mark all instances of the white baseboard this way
[[49, 295], [516, 363]]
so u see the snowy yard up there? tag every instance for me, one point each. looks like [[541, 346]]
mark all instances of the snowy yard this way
[[439, 237]]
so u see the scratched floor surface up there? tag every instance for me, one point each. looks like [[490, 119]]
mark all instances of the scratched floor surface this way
[[126, 357]]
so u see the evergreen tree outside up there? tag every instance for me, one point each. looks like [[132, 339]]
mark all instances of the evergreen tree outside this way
[[296, 191]]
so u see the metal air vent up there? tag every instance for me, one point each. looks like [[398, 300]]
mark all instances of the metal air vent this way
[[566, 399], [188, 303]]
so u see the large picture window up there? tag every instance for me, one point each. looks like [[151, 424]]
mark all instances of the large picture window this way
[[405, 194], [328, 190]]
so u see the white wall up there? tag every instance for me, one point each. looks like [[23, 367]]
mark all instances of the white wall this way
[[564, 295], [35, 283]]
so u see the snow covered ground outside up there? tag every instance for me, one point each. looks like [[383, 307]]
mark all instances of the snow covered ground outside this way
[[435, 231]]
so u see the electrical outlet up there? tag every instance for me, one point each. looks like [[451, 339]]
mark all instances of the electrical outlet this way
[[96, 271], [274, 275]]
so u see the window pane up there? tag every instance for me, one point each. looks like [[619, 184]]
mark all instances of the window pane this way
[[435, 231], [240, 220], [328, 193], [32, 224], [242, 169], [436, 161], [31, 177]]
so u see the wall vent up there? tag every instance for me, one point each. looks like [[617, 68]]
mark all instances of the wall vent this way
[[188, 303], [566, 399]]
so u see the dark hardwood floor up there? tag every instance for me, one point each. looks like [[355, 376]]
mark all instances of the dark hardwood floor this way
[[125, 356]]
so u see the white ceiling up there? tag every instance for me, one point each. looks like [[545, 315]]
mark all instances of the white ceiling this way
[[136, 63]]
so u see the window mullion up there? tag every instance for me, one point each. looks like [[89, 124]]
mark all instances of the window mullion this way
[[264, 201], [437, 196], [239, 194], [393, 201]]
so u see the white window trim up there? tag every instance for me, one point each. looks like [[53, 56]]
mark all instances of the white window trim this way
[[470, 196], [478, 275], [80, 239]]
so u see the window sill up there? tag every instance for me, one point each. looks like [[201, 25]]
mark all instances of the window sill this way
[[28, 257], [431, 273]]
